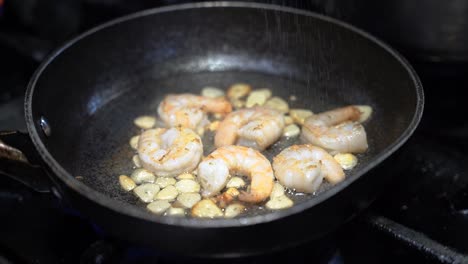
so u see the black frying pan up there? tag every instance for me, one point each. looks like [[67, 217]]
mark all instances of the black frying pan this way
[[81, 102]]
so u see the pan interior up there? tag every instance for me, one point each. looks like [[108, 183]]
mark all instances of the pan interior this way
[[124, 69], [103, 152]]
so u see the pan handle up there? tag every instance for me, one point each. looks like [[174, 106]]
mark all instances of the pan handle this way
[[413, 238], [15, 164]]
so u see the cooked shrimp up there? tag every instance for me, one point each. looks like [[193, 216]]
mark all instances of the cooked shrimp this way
[[336, 130], [189, 110], [303, 167], [214, 171], [170, 152], [256, 127]]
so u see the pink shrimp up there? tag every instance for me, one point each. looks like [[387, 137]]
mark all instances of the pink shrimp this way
[[256, 127], [303, 167], [189, 110], [215, 170], [338, 130]]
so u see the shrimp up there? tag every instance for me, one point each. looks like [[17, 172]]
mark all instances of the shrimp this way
[[337, 130], [169, 152], [214, 171], [303, 168], [256, 127], [190, 110]]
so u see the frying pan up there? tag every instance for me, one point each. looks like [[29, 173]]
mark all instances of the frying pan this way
[[82, 100]]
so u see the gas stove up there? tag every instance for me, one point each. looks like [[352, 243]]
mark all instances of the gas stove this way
[[422, 216]]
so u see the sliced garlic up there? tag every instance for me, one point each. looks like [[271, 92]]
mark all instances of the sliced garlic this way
[[233, 192], [258, 97], [142, 176], [207, 209], [238, 90], [145, 122], [127, 183], [279, 202], [278, 104], [237, 103], [158, 207], [212, 92], [146, 192], [233, 210], [291, 131], [300, 115], [188, 200], [235, 182], [163, 182], [134, 142], [278, 190], [168, 193], [200, 131], [346, 160], [218, 116], [366, 112], [176, 211], [136, 161], [288, 120], [187, 186], [213, 126], [187, 176]]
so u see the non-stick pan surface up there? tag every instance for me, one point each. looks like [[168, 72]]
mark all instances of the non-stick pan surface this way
[[90, 90]]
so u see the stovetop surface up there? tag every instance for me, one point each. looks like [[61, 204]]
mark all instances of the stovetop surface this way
[[430, 198]]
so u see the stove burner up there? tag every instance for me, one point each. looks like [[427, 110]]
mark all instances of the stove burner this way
[[106, 251]]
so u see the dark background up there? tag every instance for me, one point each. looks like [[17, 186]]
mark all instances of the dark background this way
[[433, 35]]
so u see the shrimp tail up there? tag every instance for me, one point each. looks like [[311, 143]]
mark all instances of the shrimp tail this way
[[253, 197], [336, 116], [221, 106], [226, 135], [257, 195]]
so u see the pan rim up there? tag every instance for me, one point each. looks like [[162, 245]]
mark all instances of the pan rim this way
[[133, 211]]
